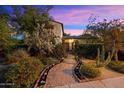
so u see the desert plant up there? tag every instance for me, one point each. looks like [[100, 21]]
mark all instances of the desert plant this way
[[17, 56], [58, 51], [50, 61], [103, 54], [25, 72], [89, 71], [107, 30], [108, 58], [98, 58], [86, 50], [116, 66], [101, 57], [110, 55]]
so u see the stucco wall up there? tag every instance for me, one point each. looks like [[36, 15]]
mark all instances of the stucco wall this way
[[58, 31]]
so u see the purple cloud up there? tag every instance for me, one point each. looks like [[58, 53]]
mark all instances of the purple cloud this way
[[73, 15]]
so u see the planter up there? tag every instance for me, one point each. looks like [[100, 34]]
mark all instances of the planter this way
[[77, 74]]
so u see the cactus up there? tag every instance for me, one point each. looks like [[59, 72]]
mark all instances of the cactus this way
[[110, 55], [113, 50], [108, 58], [98, 58], [103, 54]]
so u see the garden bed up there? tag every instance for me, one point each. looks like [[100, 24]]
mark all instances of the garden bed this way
[[117, 66], [105, 72], [76, 72], [42, 78], [82, 77]]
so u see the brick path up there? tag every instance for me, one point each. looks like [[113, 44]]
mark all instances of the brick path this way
[[61, 74], [116, 82]]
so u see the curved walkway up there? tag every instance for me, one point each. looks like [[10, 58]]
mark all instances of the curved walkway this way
[[61, 74], [116, 82]]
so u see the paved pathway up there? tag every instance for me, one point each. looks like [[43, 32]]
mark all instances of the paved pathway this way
[[116, 82], [61, 74]]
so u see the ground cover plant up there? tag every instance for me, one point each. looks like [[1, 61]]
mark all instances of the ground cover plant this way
[[117, 66], [89, 71], [24, 72]]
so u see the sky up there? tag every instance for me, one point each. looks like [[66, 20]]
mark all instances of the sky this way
[[75, 17]]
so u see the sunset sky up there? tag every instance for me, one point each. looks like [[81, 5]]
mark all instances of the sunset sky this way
[[75, 17]]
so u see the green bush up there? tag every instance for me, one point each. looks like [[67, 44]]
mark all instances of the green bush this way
[[25, 72], [58, 51], [117, 66], [87, 50], [50, 61], [16, 56], [89, 71]]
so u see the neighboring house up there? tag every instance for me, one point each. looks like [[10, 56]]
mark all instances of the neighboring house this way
[[58, 30], [69, 41]]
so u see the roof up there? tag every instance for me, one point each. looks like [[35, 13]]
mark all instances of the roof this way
[[86, 36]]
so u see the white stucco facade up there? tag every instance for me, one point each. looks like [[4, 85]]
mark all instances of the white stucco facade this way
[[58, 31]]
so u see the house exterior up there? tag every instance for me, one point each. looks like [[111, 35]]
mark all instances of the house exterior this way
[[69, 41], [58, 30]]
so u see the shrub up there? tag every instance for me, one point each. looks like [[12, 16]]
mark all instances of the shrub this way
[[117, 66], [16, 56], [89, 71], [121, 55], [49, 61], [59, 51], [24, 73], [87, 51]]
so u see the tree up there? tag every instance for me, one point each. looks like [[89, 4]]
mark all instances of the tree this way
[[35, 24], [107, 30], [65, 34], [115, 37], [5, 33]]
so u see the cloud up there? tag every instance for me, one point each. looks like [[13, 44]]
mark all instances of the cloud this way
[[77, 16], [73, 15]]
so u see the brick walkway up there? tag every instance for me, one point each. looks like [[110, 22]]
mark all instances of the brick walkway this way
[[116, 82], [61, 74]]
